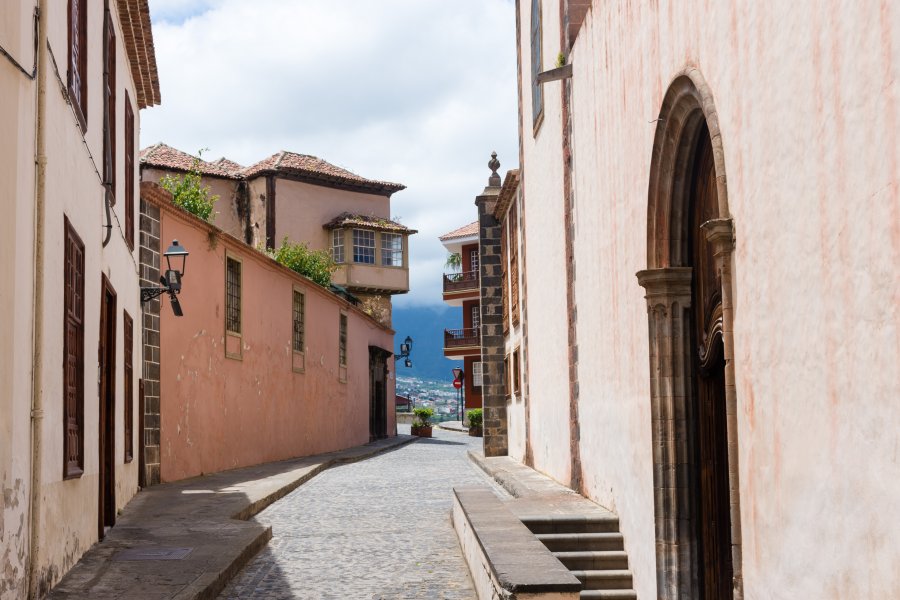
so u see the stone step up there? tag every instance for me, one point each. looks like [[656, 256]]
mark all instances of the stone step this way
[[615, 560], [608, 595], [569, 542], [571, 524], [604, 580]]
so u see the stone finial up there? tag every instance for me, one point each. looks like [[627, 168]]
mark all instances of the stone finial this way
[[493, 165]]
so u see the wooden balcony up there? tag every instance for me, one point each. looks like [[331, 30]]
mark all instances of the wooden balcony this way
[[462, 342], [460, 282]]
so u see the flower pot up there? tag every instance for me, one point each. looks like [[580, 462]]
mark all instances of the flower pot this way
[[476, 431], [422, 431]]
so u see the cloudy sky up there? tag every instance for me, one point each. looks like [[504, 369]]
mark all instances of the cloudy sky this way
[[414, 91]]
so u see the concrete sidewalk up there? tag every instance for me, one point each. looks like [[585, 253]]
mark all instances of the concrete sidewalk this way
[[185, 540]]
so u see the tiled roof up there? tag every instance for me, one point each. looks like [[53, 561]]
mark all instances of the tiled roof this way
[[507, 193], [167, 157], [138, 37], [464, 231], [315, 168], [367, 222]]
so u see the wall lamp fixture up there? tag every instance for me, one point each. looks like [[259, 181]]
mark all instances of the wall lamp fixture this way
[[176, 259], [405, 350]]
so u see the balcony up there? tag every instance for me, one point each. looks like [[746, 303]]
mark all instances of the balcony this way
[[461, 286], [462, 342]]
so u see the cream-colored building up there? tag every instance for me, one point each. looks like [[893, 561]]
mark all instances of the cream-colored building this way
[[708, 208], [306, 199], [73, 76]]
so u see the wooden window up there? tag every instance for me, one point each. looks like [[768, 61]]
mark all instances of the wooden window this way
[[391, 250], [128, 383], [73, 355], [364, 246], [342, 349], [504, 275], [232, 295], [109, 107], [131, 175], [77, 73], [508, 390], [537, 91], [514, 263], [337, 245], [477, 374], [516, 371]]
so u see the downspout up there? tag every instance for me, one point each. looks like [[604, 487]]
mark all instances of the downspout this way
[[37, 410]]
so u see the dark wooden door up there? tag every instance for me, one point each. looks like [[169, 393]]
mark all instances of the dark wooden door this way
[[713, 510], [377, 393], [106, 509], [142, 464]]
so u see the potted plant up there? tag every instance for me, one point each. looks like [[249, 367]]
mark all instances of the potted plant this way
[[422, 425], [476, 419]]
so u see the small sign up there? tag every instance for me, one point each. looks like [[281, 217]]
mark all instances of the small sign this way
[[457, 383]]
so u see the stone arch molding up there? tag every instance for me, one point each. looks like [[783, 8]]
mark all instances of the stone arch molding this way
[[688, 105]]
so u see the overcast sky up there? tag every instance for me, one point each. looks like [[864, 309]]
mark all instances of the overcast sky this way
[[414, 91]]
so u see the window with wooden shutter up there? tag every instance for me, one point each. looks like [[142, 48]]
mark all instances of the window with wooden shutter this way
[[77, 74], [504, 275], [342, 350], [73, 355], [130, 172], [514, 263], [537, 91], [128, 383], [109, 107]]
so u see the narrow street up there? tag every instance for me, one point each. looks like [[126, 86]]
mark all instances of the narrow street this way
[[379, 528]]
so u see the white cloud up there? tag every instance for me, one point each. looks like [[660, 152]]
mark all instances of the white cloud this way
[[414, 91]]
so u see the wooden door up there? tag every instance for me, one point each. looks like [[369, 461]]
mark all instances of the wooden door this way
[[377, 393], [711, 443], [106, 509]]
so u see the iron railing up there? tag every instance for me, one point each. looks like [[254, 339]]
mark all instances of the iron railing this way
[[461, 338], [459, 282]]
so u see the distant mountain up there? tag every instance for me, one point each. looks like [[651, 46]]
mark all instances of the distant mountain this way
[[425, 325]]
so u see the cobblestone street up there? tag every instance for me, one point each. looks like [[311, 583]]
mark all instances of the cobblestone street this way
[[379, 528]]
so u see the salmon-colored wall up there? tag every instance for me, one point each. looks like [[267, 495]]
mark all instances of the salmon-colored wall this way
[[220, 413]]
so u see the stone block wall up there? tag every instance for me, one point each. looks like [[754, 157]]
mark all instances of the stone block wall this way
[[150, 274]]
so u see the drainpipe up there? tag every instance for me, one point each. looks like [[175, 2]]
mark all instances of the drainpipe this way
[[37, 410]]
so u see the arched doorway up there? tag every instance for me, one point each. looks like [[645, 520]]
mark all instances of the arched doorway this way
[[688, 291]]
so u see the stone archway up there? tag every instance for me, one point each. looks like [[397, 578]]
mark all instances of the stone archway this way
[[690, 241]]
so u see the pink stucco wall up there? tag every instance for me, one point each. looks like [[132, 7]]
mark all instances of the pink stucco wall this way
[[807, 100], [221, 413]]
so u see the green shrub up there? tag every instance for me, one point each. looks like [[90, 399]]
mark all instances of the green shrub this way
[[476, 417], [423, 416], [189, 193], [315, 264]]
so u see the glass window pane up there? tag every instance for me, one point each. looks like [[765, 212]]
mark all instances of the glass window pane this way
[[364, 246], [391, 250]]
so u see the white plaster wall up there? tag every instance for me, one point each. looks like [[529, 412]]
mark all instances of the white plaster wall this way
[[545, 264], [807, 100], [69, 508], [16, 292]]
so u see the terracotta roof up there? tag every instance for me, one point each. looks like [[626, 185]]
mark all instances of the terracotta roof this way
[[167, 157], [367, 222], [464, 231], [311, 167], [138, 37]]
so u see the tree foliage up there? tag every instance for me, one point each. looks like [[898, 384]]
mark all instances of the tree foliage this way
[[314, 264], [189, 193], [454, 261]]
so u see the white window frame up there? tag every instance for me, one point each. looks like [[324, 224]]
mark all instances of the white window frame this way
[[477, 374], [360, 250], [337, 245], [476, 316], [391, 254], [474, 260]]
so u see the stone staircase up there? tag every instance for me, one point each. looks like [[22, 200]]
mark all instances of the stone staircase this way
[[591, 547]]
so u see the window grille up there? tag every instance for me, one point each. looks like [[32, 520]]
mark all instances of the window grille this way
[[299, 320], [232, 295], [364, 246], [391, 250], [337, 245], [73, 353], [342, 347]]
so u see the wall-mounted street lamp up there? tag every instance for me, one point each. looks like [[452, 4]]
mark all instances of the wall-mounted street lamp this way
[[176, 259], [405, 350]]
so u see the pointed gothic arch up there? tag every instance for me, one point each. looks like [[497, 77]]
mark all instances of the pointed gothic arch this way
[[690, 314]]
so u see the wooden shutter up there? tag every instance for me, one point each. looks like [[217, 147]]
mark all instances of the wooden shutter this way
[[514, 263], [73, 355], [128, 371], [109, 109], [504, 274], [77, 75], [130, 173]]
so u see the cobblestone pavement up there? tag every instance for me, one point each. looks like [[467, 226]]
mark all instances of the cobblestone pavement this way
[[376, 529]]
